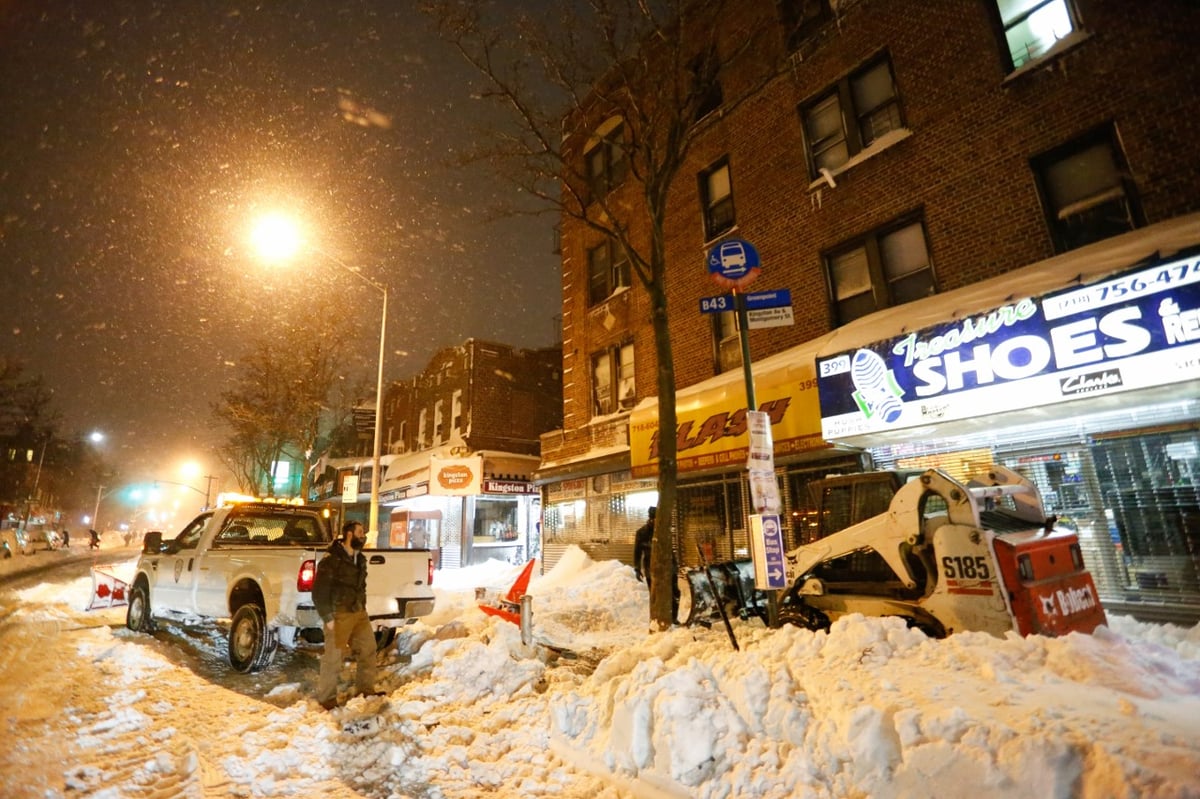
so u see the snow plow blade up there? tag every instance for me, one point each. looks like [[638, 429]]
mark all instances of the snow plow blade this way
[[735, 591], [108, 591]]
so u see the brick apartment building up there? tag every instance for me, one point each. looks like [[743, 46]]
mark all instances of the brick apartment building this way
[[919, 172], [461, 443]]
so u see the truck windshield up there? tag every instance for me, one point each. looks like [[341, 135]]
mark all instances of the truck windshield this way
[[271, 528]]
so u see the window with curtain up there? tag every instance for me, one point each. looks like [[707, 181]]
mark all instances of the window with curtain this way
[[887, 267], [851, 116]]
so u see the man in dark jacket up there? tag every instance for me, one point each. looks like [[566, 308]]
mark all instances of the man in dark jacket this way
[[340, 596], [641, 547]]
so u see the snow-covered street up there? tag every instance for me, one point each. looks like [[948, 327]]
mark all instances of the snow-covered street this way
[[871, 709]]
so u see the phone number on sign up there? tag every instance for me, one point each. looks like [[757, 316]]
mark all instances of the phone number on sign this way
[[1127, 287]]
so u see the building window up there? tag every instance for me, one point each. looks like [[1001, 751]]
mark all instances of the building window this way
[[887, 267], [716, 195], [402, 436], [1087, 190], [613, 387], [608, 270], [456, 409], [607, 163], [727, 346], [439, 422], [851, 116], [802, 18], [421, 421], [706, 83], [1032, 27]]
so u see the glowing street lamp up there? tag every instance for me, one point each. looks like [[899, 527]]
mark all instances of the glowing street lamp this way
[[277, 237]]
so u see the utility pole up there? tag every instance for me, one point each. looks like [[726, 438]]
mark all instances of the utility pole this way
[[208, 490]]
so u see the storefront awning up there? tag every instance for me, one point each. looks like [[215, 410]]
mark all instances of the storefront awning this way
[[1095, 330]]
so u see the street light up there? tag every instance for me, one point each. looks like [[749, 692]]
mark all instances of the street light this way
[[276, 237]]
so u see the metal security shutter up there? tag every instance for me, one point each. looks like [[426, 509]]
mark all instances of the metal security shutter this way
[[1150, 481]]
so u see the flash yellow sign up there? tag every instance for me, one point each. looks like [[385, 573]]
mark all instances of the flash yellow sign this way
[[712, 429]]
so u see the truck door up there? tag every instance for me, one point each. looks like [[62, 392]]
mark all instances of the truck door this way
[[175, 582]]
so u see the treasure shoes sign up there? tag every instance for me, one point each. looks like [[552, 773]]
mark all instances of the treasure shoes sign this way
[[1139, 329]]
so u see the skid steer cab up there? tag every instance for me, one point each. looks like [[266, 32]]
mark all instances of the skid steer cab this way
[[947, 556]]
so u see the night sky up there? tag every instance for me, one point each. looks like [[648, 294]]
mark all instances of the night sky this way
[[139, 138]]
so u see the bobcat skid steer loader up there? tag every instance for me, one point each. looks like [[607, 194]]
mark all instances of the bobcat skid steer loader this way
[[944, 555]]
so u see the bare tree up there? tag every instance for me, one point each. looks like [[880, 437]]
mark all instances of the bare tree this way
[[652, 67], [285, 400]]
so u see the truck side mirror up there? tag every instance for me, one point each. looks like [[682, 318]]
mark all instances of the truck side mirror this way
[[152, 543]]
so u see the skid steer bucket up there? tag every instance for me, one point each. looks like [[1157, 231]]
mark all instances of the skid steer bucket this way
[[735, 591], [108, 590]]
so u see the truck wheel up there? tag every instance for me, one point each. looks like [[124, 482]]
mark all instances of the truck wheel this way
[[252, 643], [384, 637], [138, 617]]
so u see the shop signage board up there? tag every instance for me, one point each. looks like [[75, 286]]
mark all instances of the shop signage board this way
[[455, 477], [509, 487], [712, 428], [350, 488], [1139, 329]]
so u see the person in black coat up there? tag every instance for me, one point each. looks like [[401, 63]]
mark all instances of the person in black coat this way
[[340, 596], [642, 541]]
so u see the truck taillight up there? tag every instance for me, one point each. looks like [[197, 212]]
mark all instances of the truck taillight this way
[[430, 572], [304, 580]]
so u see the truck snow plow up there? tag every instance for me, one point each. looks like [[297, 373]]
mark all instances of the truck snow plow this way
[[944, 555]]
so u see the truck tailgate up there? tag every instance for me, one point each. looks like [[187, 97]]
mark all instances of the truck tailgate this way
[[398, 585]]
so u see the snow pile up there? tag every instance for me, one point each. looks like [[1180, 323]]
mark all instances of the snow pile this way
[[595, 706]]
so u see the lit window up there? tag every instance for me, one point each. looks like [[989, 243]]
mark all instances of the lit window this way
[[421, 420], [439, 431], [885, 268], [608, 270], [1087, 192], [1031, 27], [613, 386], [716, 194], [851, 116]]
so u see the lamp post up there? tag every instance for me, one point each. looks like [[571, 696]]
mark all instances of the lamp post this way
[[277, 237], [96, 513]]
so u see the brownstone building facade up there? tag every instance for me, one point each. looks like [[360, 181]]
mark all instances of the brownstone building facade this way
[[461, 441], [912, 165]]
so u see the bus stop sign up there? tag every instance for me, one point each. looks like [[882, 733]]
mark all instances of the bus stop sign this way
[[733, 264]]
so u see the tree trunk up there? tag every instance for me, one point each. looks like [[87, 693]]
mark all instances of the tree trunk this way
[[663, 560]]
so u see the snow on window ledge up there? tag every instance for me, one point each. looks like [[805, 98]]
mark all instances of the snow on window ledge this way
[[889, 139], [1062, 46]]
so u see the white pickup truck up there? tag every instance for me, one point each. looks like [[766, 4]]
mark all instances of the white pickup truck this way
[[254, 563]]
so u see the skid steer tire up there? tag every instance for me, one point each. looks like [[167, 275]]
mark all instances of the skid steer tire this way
[[804, 617]]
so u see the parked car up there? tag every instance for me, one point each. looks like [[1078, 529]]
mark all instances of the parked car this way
[[13, 541], [46, 538]]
